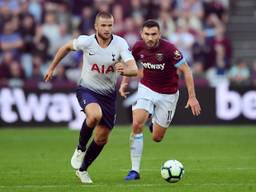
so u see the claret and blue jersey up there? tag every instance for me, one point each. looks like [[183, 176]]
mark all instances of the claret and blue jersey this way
[[159, 65]]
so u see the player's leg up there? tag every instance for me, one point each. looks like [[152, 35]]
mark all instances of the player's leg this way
[[101, 132], [158, 132], [163, 114], [93, 117], [141, 110], [140, 116], [101, 137], [88, 102]]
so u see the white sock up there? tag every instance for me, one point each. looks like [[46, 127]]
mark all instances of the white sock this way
[[136, 150]]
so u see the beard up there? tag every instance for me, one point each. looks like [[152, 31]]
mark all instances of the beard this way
[[152, 44]]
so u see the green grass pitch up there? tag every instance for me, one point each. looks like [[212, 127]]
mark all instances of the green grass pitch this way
[[215, 159]]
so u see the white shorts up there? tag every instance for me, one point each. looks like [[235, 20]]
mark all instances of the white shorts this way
[[160, 106]]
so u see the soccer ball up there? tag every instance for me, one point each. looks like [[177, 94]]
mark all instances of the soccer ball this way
[[172, 171]]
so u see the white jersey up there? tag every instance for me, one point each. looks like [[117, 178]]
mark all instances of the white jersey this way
[[98, 71]]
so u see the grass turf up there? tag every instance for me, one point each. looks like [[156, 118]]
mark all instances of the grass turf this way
[[215, 159]]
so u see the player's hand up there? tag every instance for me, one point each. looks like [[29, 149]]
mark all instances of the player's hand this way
[[120, 68], [194, 105], [122, 90], [48, 75]]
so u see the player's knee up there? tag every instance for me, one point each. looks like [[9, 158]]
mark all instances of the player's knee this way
[[101, 141], [137, 127], [93, 120], [157, 138]]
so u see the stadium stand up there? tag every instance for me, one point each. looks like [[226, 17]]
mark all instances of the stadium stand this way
[[31, 31]]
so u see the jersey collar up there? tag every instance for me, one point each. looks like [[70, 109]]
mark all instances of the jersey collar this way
[[98, 41]]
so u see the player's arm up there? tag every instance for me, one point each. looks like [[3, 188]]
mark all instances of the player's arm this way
[[61, 53], [128, 68], [132, 66], [123, 87], [192, 100]]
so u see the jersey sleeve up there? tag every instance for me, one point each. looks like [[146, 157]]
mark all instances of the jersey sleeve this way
[[81, 42], [126, 54], [177, 57], [135, 53]]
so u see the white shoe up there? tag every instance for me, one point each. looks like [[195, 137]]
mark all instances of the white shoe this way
[[84, 176], [77, 159]]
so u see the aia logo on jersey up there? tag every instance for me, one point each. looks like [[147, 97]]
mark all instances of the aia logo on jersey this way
[[177, 55], [160, 56], [102, 69]]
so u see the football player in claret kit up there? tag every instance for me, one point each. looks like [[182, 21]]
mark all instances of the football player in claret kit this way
[[157, 91], [96, 93]]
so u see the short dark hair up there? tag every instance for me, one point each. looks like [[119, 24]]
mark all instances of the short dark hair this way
[[103, 14], [150, 23]]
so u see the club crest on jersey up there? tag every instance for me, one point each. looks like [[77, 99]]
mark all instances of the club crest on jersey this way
[[159, 56], [141, 56], [177, 55], [113, 57]]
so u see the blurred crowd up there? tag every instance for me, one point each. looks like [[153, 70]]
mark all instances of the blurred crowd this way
[[31, 31]]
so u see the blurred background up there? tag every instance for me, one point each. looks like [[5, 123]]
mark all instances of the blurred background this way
[[217, 38]]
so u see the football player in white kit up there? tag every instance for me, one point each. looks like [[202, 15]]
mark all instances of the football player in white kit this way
[[102, 53]]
